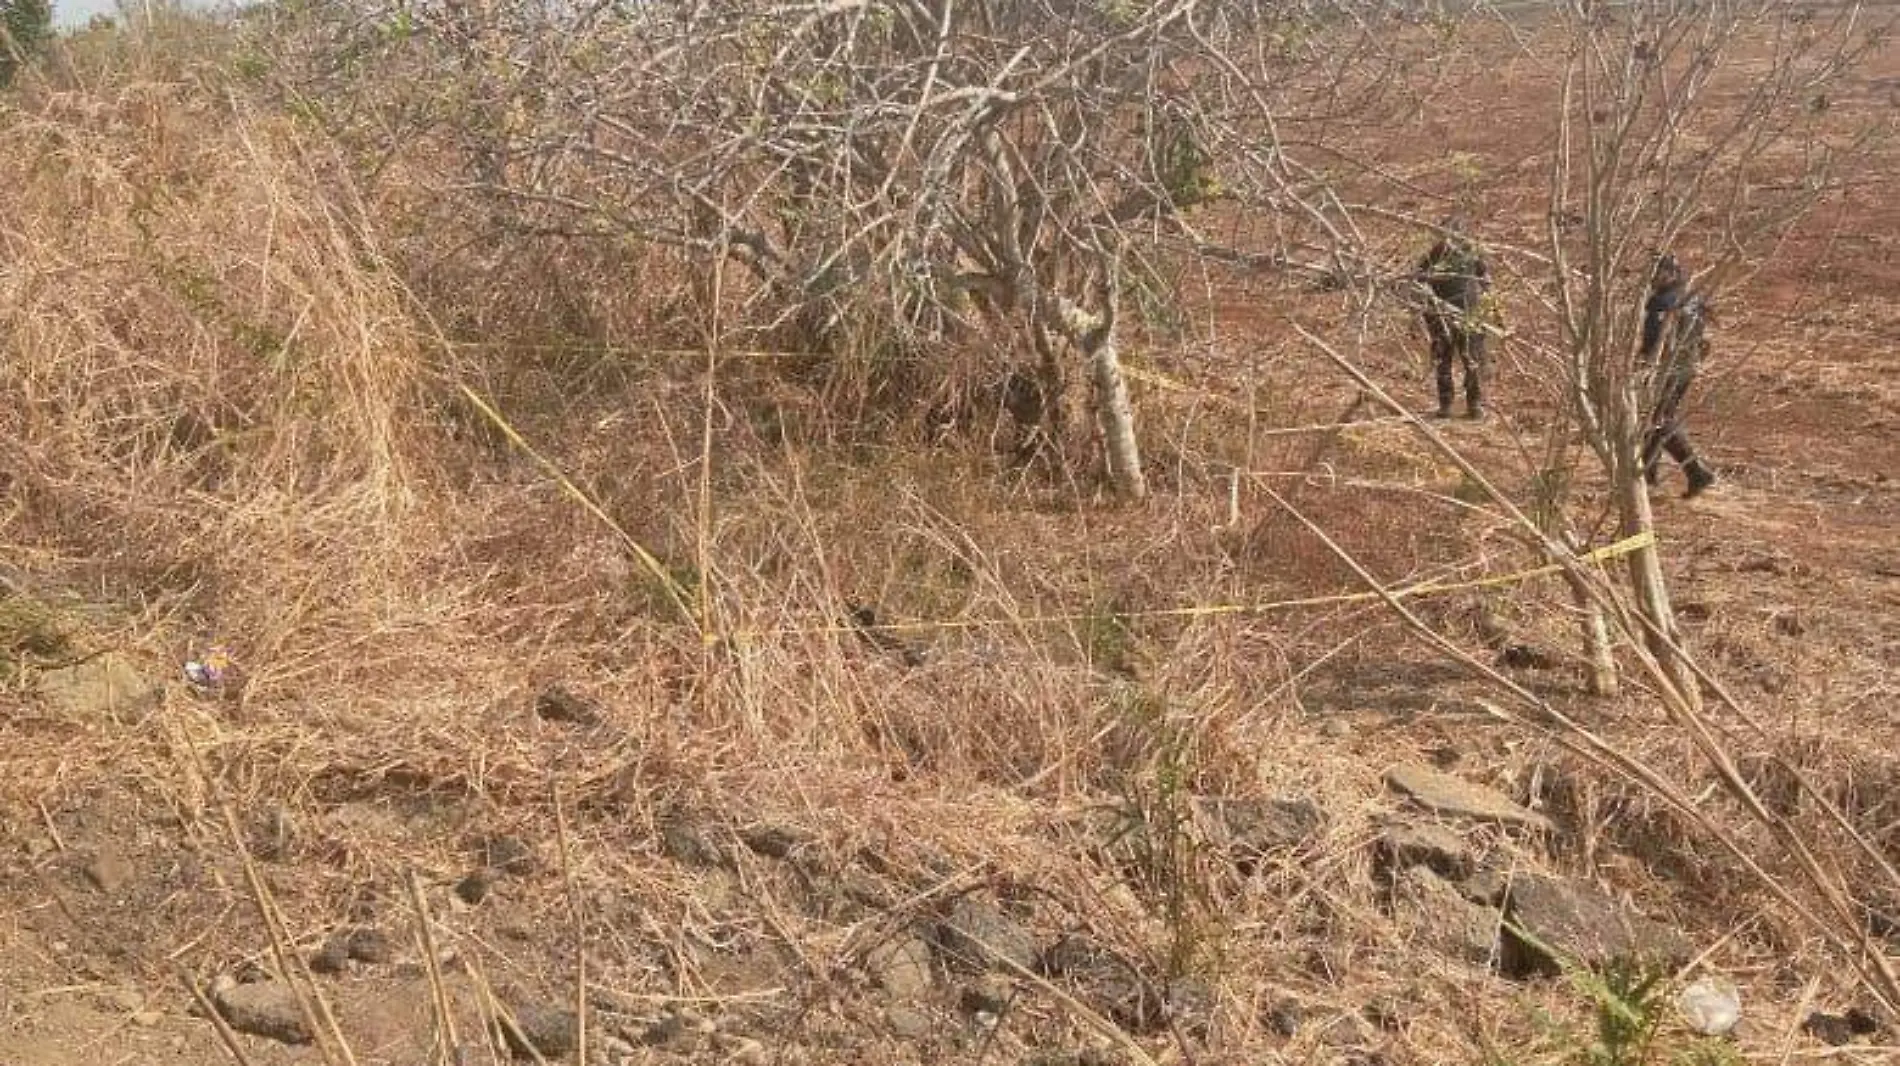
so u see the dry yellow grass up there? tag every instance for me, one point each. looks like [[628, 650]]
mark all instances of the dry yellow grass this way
[[229, 415]]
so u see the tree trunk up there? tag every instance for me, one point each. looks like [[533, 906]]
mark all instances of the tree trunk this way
[[1645, 564], [1596, 640], [1118, 420], [1094, 337]]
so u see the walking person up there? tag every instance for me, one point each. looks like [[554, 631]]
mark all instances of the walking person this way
[[1455, 275], [1675, 339]]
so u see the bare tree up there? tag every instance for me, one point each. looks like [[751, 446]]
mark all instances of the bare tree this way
[[894, 176], [1668, 123]]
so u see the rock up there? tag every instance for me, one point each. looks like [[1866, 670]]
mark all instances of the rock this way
[[678, 1031], [901, 967], [474, 888], [1486, 885], [1712, 1006], [270, 834], [1583, 926], [107, 870], [1144, 1008], [1438, 915], [1521, 656], [772, 841], [105, 688], [977, 934], [1402, 845], [743, 1050], [907, 1024], [684, 839], [552, 1031], [1284, 1016], [866, 890], [556, 704], [1119, 991], [333, 957], [509, 855], [1074, 955], [1346, 1032], [1388, 1012], [992, 994], [1459, 798], [267, 1009], [372, 946], [1248, 829], [1837, 1030], [363, 944]]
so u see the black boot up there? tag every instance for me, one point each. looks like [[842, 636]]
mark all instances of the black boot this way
[[1700, 478]]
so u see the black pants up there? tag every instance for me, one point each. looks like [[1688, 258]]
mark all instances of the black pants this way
[[1666, 430], [1449, 342]]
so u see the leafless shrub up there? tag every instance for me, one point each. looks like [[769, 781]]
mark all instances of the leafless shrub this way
[[891, 179]]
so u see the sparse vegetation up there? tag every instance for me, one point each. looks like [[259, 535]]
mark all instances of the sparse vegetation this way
[[678, 597], [25, 28]]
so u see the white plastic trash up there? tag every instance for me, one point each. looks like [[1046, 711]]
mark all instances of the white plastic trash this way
[[1712, 1005]]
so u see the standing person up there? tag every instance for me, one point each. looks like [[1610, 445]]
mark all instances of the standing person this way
[[1454, 272], [1675, 338]]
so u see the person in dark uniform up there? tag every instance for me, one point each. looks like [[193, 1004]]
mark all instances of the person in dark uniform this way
[[1675, 338], [1454, 273]]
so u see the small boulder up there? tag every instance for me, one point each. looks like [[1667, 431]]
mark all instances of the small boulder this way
[[1439, 916], [267, 1009], [1284, 1017], [557, 704], [1486, 885], [1403, 845], [901, 967], [1838, 1030], [1136, 1001], [552, 1031], [1249, 829], [105, 688], [680, 1031], [371, 946], [689, 840], [1547, 919], [773, 841], [1458, 798], [509, 855], [474, 888], [1145, 1008], [906, 1023], [333, 957], [977, 934], [362, 944], [991, 994]]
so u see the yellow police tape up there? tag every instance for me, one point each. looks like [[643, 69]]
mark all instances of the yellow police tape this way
[[1423, 588], [681, 598]]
